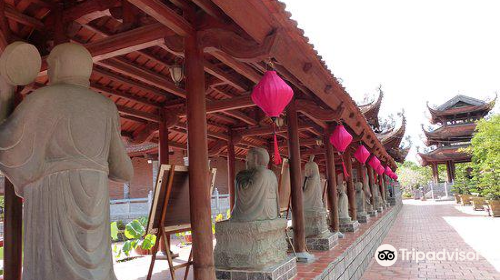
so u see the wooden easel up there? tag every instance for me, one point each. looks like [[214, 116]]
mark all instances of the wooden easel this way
[[164, 227]]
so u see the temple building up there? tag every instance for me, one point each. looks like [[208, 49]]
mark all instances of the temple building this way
[[457, 121], [391, 138]]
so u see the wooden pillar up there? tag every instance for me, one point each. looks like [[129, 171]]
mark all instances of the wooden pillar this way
[[371, 182], [449, 171], [382, 186], [199, 190], [453, 175], [351, 193], [435, 172], [163, 158], [13, 218], [231, 168], [332, 184], [299, 236]]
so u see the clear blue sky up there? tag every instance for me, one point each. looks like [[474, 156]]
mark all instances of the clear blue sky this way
[[417, 50]]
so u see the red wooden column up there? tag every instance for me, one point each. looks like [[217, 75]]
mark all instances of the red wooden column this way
[[435, 172], [163, 158], [371, 182], [382, 186], [449, 171], [199, 191], [299, 236], [351, 193], [231, 168], [332, 184], [13, 218]]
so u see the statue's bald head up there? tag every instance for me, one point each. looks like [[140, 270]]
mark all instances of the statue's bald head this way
[[257, 157], [70, 63]]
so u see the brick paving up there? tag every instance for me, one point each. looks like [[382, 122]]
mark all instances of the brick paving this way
[[427, 226]]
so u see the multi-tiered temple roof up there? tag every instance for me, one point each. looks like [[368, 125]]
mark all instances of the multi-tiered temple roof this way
[[391, 138], [456, 118]]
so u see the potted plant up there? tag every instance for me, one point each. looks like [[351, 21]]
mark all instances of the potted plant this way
[[492, 195], [477, 203], [137, 238]]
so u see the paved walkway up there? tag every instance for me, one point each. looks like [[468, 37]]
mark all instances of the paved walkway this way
[[434, 226]]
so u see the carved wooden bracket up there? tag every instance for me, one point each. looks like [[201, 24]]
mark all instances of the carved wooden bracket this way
[[217, 39], [357, 138], [311, 109]]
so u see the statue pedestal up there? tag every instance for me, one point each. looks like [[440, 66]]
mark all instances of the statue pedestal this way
[[286, 269], [250, 246], [315, 223], [347, 225], [322, 242], [373, 213], [363, 217]]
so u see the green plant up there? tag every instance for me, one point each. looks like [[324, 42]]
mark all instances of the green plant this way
[[136, 235], [485, 148]]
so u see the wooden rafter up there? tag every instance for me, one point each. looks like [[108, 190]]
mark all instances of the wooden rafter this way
[[164, 15]]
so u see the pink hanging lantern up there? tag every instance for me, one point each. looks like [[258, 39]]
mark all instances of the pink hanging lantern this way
[[362, 154], [374, 162], [341, 139], [272, 95], [380, 170], [388, 171]]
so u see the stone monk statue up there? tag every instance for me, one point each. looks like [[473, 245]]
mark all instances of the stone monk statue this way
[[313, 193], [343, 199], [256, 192], [59, 148]]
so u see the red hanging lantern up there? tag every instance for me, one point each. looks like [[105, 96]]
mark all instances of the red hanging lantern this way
[[341, 139], [380, 170], [374, 162], [362, 154], [272, 95], [388, 171]]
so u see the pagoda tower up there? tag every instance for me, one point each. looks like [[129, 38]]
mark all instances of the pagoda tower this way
[[457, 121]]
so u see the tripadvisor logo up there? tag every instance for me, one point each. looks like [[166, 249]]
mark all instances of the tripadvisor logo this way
[[387, 255]]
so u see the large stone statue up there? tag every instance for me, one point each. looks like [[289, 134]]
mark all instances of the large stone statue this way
[[256, 194], [378, 200], [59, 148], [360, 197], [368, 195], [314, 209], [253, 238], [343, 202]]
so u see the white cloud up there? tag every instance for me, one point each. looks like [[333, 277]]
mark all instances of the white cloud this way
[[419, 51]]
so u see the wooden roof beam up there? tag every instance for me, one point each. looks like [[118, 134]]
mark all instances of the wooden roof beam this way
[[138, 114], [127, 68], [15, 15], [123, 94], [165, 16], [142, 87], [267, 130], [128, 41]]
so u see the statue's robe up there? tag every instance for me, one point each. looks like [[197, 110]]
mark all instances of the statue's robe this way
[[313, 193], [343, 204], [360, 197], [256, 195], [59, 148]]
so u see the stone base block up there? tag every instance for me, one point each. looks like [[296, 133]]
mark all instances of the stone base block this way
[[287, 269], [373, 213], [315, 223], [250, 245], [363, 217], [323, 242], [352, 226]]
